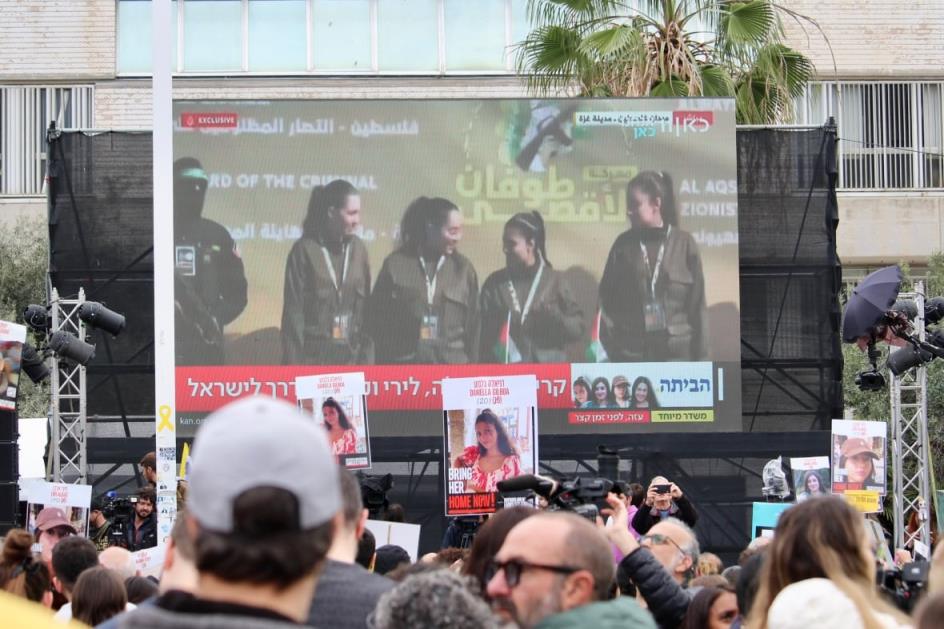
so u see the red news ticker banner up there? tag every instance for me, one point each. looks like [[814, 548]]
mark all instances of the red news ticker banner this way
[[389, 387]]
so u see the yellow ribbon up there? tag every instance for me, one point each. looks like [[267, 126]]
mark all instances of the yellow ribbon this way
[[164, 412]]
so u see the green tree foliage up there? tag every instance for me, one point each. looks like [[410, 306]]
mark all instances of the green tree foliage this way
[[24, 255], [667, 48]]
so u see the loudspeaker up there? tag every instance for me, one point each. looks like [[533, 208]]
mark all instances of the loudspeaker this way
[[9, 470]]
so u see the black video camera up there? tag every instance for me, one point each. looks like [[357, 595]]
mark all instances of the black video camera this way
[[120, 512], [582, 496], [903, 587]]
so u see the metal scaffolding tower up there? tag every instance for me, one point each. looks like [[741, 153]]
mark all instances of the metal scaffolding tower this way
[[68, 396], [910, 453]]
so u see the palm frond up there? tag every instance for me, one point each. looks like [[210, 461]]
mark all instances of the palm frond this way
[[716, 81], [670, 88], [610, 41], [747, 23]]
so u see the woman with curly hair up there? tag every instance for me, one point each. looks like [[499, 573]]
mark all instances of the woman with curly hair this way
[[494, 458]]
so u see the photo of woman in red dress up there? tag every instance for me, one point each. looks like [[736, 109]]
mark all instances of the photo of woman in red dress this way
[[493, 458], [341, 433]]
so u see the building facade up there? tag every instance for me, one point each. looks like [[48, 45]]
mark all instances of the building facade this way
[[85, 63]]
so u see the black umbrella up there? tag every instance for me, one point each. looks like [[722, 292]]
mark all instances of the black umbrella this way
[[869, 301]]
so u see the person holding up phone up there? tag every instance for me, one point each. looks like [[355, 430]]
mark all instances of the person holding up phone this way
[[664, 499]]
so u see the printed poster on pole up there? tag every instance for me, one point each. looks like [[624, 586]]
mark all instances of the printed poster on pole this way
[[810, 477], [12, 337], [490, 435], [338, 402], [858, 460]]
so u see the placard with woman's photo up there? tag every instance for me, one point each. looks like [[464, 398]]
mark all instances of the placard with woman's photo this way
[[338, 402], [858, 457], [810, 477], [490, 434]]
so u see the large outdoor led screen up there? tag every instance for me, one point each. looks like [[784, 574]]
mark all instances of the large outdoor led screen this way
[[592, 243]]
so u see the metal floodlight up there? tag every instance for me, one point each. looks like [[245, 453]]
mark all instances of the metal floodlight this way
[[33, 364], [70, 347], [904, 358], [37, 317], [98, 316]]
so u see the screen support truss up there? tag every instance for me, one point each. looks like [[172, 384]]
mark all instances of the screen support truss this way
[[909, 412], [68, 404]]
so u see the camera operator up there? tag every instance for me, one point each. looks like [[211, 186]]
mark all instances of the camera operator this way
[[664, 499], [143, 530], [99, 526]]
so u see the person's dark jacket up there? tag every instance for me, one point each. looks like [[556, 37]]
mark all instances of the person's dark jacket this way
[[553, 321], [101, 536], [346, 595], [667, 600], [680, 289], [148, 534], [209, 292], [311, 304], [178, 610], [398, 305], [647, 517]]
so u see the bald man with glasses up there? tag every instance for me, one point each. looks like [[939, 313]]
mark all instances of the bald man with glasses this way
[[556, 570], [661, 563]]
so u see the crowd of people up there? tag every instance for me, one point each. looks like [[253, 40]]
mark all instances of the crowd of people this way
[[284, 543]]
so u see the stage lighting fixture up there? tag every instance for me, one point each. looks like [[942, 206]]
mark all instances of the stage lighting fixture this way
[[37, 317], [933, 310], [70, 347], [98, 316], [33, 364]]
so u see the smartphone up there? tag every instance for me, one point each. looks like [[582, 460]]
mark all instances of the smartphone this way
[[663, 489]]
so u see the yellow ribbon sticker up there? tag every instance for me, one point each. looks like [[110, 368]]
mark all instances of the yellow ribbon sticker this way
[[164, 411]]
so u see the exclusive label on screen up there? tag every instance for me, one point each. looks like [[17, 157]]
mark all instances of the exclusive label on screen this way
[[419, 241]]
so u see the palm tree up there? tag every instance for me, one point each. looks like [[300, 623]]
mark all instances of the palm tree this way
[[668, 48]]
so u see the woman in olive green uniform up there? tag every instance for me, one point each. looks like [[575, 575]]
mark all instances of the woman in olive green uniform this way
[[424, 306], [653, 289], [327, 283], [529, 298]]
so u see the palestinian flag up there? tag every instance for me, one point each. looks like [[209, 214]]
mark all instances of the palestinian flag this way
[[505, 349], [596, 353]]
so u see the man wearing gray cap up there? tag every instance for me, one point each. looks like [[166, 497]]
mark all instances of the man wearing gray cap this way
[[264, 503]]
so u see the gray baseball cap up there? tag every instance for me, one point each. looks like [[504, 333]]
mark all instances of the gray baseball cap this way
[[261, 442]]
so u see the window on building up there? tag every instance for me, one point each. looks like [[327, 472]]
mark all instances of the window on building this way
[[277, 36], [890, 133], [328, 36], [134, 36], [341, 35], [25, 113]]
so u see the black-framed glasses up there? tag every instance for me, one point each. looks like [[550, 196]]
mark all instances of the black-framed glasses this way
[[514, 567], [659, 540]]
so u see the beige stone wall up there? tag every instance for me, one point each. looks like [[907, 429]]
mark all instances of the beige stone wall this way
[[126, 104], [889, 228], [70, 40], [871, 38], [13, 208]]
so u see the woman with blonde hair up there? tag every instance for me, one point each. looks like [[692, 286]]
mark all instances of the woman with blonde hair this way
[[820, 548]]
